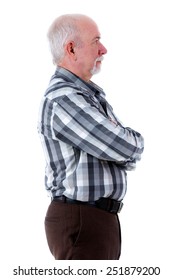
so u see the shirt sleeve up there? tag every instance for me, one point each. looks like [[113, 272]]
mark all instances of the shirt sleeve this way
[[78, 122]]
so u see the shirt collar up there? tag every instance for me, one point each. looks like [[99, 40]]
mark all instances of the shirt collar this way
[[72, 78]]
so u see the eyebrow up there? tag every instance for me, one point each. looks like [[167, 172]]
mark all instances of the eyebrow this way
[[97, 37]]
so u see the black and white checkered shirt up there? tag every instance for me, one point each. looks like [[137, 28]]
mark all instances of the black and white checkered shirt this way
[[87, 149]]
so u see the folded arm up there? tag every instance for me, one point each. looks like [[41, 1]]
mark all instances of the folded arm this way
[[79, 124]]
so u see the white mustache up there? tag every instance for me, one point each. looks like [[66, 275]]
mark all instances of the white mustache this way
[[99, 59]]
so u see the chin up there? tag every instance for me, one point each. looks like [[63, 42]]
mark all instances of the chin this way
[[95, 70]]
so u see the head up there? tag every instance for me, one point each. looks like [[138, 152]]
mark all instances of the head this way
[[75, 44]]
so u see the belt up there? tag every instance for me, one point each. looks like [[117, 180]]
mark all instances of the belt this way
[[107, 204]]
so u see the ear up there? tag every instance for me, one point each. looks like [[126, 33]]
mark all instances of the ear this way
[[70, 49]]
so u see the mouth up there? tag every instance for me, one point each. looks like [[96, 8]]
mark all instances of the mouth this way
[[99, 59], [98, 62]]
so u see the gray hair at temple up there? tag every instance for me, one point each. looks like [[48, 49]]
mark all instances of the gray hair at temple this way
[[62, 30]]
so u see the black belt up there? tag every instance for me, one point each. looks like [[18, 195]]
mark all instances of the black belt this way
[[107, 204]]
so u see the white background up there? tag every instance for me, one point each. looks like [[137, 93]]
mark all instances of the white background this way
[[137, 76]]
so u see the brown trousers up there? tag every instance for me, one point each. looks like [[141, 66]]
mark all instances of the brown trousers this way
[[80, 232]]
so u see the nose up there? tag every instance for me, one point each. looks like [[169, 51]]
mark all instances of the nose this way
[[102, 49]]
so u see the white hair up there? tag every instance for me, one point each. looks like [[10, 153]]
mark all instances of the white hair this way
[[62, 30]]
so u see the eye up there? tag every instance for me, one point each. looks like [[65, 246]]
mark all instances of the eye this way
[[97, 40]]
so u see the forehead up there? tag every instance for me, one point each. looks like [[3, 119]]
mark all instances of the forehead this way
[[89, 29]]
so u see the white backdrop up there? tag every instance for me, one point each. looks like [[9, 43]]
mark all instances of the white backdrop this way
[[139, 38]]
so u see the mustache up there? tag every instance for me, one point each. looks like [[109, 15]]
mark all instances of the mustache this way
[[99, 59]]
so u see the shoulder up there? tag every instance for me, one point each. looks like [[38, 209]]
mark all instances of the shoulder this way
[[60, 91], [58, 88]]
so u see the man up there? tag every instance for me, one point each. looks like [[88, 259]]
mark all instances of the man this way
[[87, 149]]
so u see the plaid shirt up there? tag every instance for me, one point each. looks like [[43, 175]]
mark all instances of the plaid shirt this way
[[87, 149]]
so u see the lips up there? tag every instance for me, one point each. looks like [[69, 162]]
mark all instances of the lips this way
[[99, 59]]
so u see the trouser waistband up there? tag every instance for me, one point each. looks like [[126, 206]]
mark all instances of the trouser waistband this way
[[107, 204]]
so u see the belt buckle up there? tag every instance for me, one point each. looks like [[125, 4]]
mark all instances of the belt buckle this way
[[117, 209], [120, 206]]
